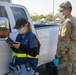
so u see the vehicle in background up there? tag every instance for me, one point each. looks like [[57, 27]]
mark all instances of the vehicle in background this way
[[55, 22], [47, 35]]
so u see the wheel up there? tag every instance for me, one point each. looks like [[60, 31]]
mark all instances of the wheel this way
[[51, 68]]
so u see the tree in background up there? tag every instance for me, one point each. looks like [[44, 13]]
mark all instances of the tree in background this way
[[49, 17], [56, 16], [35, 17], [39, 17], [42, 16]]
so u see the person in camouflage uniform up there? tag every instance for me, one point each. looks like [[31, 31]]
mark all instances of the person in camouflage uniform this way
[[66, 47]]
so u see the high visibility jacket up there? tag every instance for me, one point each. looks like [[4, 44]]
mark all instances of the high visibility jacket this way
[[20, 56], [25, 55]]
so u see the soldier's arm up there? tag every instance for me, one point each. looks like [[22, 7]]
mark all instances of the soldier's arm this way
[[64, 40], [67, 30], [73, 39], [71, 31]]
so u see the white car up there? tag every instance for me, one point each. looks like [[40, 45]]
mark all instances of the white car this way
[[47, 35]]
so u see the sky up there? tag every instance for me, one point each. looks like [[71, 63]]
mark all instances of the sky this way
[[44, 6]]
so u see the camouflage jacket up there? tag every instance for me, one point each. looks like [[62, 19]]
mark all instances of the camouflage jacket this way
[[66, 33]]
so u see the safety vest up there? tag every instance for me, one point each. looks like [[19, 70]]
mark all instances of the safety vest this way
[[21, 55], [25, 55]]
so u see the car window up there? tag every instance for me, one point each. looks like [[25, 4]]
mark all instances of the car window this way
[[18, 12], [3, 12]]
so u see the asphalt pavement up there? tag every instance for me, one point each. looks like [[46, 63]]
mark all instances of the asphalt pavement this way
[[41, 70]]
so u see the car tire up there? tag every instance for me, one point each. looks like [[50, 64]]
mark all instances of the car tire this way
[[51, 68]]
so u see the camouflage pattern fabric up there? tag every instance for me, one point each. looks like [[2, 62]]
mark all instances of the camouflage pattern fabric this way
[[66, 48]]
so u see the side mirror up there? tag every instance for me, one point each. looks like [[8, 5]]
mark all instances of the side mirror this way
[[4, 28]]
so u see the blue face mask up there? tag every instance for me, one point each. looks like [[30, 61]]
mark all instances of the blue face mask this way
[[21, 31]]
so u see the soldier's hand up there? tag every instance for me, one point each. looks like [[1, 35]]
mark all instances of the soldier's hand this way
[[56, 61]]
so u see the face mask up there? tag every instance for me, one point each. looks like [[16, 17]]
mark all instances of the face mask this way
[[61, 15], [21, 31]]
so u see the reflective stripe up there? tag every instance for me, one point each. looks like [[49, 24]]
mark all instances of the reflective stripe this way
[[25, 55]]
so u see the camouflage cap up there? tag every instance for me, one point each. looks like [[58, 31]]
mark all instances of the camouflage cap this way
[[64, 5]]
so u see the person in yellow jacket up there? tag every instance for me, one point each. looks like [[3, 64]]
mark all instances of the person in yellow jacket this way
[[26, 50]]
